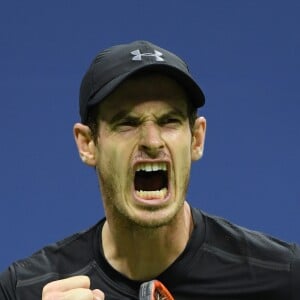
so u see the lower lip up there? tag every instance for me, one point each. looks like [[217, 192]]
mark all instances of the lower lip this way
[[151, 202]]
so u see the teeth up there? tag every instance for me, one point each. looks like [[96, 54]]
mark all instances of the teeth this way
[[148, 195], [150, 167]]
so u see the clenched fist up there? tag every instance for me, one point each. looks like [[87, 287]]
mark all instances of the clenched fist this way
[[73, 288]]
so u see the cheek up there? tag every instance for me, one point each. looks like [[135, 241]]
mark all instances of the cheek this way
[[180, 145], [181, 157], [184, 158], [112, 158], [108, 159]]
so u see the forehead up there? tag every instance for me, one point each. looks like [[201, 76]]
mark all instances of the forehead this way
[[145, 88]]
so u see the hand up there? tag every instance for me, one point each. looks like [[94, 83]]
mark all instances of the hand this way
[[73, 288]]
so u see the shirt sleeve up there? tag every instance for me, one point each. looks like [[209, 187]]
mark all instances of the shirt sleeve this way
[[8, 284]]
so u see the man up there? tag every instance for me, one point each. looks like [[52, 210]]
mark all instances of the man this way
[[140, 131]]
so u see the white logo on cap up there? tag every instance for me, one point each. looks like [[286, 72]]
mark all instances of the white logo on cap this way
[[138, 55]]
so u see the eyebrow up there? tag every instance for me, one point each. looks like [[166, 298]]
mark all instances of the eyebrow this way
[[126, 113], [177, 112], [119, 116]]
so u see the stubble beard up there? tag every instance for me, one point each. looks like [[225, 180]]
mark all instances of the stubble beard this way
[[118, 214]]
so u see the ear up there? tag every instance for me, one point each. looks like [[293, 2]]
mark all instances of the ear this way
[[85, 144], [198, 138]]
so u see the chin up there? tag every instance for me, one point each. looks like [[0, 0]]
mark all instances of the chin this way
[[153, 219]]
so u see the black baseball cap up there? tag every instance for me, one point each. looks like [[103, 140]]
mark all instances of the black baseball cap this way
[[112, 66]]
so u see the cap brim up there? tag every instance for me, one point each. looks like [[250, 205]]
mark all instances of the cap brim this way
[[193, 90]]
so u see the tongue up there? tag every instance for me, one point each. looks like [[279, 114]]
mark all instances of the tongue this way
[[149, 181]]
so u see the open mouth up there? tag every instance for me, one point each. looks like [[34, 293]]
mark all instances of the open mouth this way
[[151, 180]]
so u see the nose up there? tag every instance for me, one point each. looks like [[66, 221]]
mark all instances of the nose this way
[[151, 141]]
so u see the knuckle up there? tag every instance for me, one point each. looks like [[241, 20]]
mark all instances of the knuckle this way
[[50, 291], [47, 288]]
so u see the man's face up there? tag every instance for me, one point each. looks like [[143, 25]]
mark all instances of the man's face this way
[[144, 150]]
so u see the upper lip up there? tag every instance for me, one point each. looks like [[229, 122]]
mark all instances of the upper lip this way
[[151, 165]]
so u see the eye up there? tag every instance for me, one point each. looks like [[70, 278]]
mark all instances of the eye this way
[[170, 121], [127, 124], [173, 120]]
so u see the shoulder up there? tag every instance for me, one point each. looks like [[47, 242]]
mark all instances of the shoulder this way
[[62, 256], [225, 238], [241, 253], [66, 257], [223, 234]]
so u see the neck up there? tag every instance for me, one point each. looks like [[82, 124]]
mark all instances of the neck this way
[[144, 253]]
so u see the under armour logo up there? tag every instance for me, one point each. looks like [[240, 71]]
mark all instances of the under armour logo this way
[[138, 55]]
